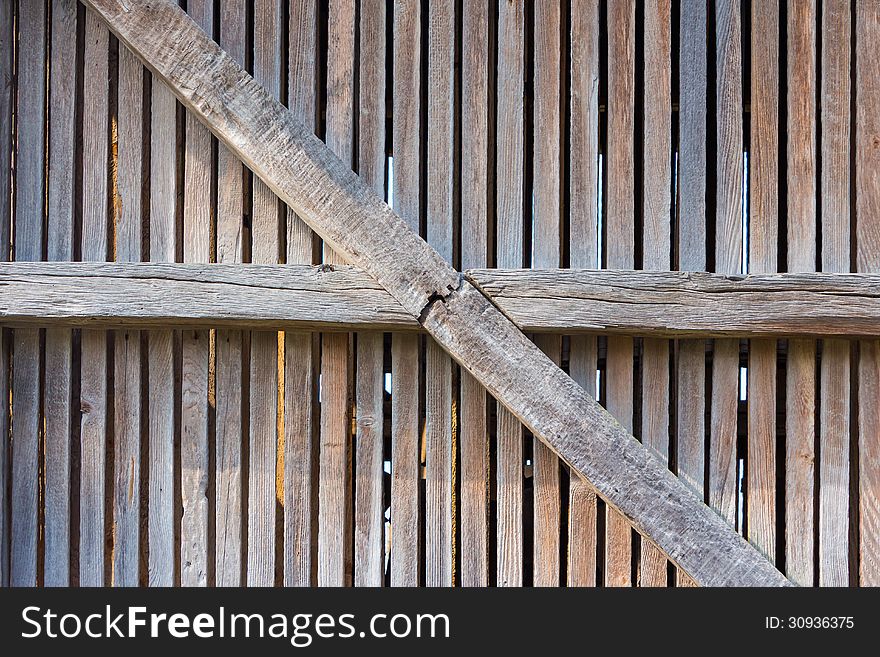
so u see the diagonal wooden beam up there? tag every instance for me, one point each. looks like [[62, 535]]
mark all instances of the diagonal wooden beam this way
[[342, 297], [363, 229]]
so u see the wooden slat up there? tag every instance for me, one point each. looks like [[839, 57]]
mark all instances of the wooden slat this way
[[834, 386], [93, 358], [439, 438], [299, 348], [29, 211], [229, 435], [405, 549], [620, 252], [800, 430], [264, 344], [473, 432], [463, 320], [763, 241], [7, 39], [584, 209], [867, 165], [57, 393], [721, 485], [509, 241], [656, 243]]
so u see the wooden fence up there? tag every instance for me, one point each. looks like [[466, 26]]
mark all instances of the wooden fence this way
[[719, 136]]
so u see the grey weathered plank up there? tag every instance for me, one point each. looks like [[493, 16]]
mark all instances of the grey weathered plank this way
[[473, 433], [834, 401], [462, 320], [509, 241], [800, 412], [29, 212], [334, 483], [867, 166], [7, 39], [93, 358], [229, 347], [439, 437], [583, 245], [300, 348], [405, 452], [263, 411], [763, 242], [59, 245]]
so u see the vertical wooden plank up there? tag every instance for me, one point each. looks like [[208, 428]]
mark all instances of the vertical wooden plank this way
[[62, 97], [584, 207], [834, 402], [334, 493], [93, 374], [264, 344], [509, 240], [763, 239], [868, 260], [7, 38], [722, 481], [473, 435], [620, 252], [439, 438], [160, 349], [405, 552], [546, 249], [195, 346], [657, 165], [228, 384], [800, 432], [29, 212], [369, 522], [299, 352], [127, 345]]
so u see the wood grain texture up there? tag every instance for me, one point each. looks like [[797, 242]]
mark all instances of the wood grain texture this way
[[7, 97], [867, 166], [463, 321], [721, 484], [763, 243], [509, 253], [229, 436], [405, 434], [473, 433], [656, 242], [265, 246], [834, 401], [300, 352], [59, 244], [620, 252], [29, 212]]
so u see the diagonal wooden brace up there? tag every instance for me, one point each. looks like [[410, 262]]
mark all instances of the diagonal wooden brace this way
[[360, 226]]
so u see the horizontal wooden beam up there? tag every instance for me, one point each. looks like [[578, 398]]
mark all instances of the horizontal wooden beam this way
[[360, 227], [345, 298]]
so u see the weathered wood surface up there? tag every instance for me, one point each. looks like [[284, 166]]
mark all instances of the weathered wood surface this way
[[456, 314], [7, 98]]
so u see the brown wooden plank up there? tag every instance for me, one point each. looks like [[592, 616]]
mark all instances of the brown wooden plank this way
[[7, 73], [721, 484], [264, 344], [229, 344], [656, 242], [509, 240], [405, 549], [867, 165], [463, 320], [620, 252], [763, 240], [473, 432], [59, 243], [93, 358], [29, 211], [834, 401], [299, 348], [800, 430]]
